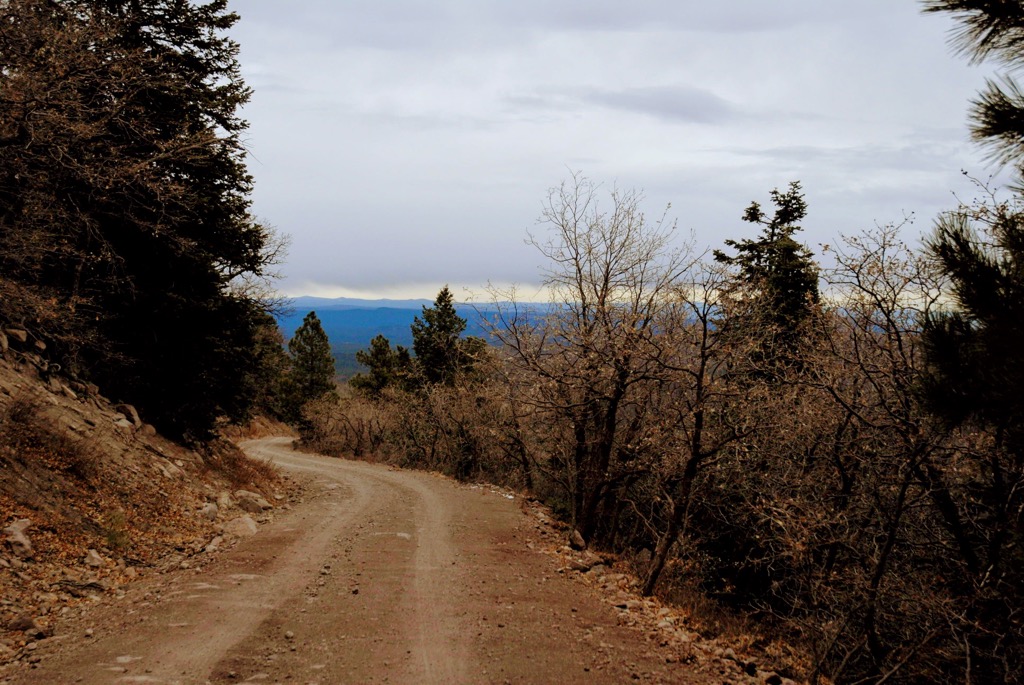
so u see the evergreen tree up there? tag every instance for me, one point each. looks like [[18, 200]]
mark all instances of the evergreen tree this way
[[387, 367], [442, 355], [312, 366], [266, 382], [124, 200], [777, 276], [993, 30], [976, 349]]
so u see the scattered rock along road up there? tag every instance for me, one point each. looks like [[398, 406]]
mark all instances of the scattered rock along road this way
[[378, 575]]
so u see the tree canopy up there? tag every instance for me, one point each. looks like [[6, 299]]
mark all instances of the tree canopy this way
[[124, 200], [993, 30], [387, 367], [442, 354], [976, 346]]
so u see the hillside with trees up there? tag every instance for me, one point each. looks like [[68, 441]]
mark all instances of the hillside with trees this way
[[126, 243], [807, 457]]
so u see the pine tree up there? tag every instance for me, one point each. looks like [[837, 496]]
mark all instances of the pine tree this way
[[442, 355], [777, 276], [387, 367], [993, 30], [976, 348], [312, 366], [974, 353], [266, 381]]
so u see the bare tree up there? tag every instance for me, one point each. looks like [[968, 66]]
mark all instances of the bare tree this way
[[593, 354], [696, 403]]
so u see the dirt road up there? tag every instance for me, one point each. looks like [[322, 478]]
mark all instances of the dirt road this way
[[377, 576]]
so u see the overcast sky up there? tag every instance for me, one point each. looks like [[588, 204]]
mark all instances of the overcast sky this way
[[405, 144]]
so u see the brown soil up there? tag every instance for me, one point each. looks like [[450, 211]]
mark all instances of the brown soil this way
[[380, 575]]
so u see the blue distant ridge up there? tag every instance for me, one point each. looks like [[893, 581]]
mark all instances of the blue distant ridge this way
[[348, 321]]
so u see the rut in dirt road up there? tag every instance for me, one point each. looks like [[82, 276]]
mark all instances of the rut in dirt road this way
[[412, 515], [379, 575]]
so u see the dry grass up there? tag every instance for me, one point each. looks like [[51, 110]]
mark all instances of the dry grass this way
[[227, 459], [27, 436], [746, 633]]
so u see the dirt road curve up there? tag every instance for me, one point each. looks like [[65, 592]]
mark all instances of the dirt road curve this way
[[377, 576]]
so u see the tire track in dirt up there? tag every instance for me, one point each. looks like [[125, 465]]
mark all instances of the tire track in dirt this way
[[437, 647], [178, 634]]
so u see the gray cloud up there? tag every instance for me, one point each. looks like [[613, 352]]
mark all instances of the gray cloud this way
[[676, 103], [681, 104], [412, 141]]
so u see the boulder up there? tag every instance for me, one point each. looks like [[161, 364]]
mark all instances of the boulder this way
[[122, 421], [576, 541], [17, 539], [213, 545], [94, 560], [130, 413], [243, 527], [585, 562], [251, 502], [80, 588], [23, 623], [209, 511], [17, 335], [579, 565]]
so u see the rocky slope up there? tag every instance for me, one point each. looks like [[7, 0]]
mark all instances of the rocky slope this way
[[91, 498]]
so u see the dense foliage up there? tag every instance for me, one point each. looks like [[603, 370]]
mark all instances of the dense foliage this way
[[387, 367], [777, 279], [825, 493], [124, 203], [443, 355]]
